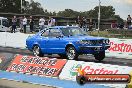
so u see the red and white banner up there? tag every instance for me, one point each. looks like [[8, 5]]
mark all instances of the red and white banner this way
[[119, 45], [70, 69], [36, 65], [120, 48]]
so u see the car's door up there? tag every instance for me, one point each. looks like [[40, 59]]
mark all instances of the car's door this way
[[43, 40], [55, 42]]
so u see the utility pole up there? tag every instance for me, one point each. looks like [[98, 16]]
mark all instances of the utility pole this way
[[21, 6], [99, 16]]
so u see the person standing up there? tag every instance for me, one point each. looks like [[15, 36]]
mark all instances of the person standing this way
[[31, 24], [14, 20], [51, 22], [21, 23], [84, 23], [90, 24], [24, 23], [129, 21], [80, 21], [41, 23]]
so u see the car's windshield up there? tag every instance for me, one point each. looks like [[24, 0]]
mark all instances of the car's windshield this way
[[73, 31]]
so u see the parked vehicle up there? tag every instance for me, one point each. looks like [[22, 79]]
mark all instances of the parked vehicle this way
[[4, 24], [67, 41]]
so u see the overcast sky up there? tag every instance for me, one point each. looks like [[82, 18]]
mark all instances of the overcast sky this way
[[122, 7]]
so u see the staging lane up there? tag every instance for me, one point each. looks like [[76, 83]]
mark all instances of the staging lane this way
[[88, 58]]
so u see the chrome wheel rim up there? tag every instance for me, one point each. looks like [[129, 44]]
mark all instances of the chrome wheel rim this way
[[71, 53], [36, 51]]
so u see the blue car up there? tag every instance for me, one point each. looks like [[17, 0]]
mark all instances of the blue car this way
[[67, 41]]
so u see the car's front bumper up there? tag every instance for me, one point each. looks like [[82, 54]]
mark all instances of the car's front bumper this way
[[92, 49]]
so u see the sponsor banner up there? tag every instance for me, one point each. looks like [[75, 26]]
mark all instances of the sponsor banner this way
[[36, 65], [120, 48], [70, 69]]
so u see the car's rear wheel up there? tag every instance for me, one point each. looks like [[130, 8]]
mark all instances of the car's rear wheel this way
[[100, 55], [37, 51], [71, 53]]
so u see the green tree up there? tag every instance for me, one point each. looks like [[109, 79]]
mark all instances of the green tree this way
[[35, 8], [25, 6], [118, 18], [68, 13], [106, 12], [13, 6]]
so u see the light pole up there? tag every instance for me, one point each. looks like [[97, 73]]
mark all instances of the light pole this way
[[21, 6], [99, 16]]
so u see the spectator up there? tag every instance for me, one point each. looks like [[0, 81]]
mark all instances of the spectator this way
[[80, 21], [41, 23], [14, 20], [31, 24], [114, 24], [24, 23], [129, 21], [121, 25], [21, 23], [84, 23], [90, 25], [51, 22]]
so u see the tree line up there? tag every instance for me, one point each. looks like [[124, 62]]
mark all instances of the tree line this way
[[33, 8]]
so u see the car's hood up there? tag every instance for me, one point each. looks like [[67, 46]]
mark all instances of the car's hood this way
[[84, 38]]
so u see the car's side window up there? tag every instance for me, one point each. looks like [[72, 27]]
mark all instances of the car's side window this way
[[45, 33], [54, 33]]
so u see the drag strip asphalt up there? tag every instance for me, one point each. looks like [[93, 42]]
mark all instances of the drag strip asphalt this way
[[10, 52]]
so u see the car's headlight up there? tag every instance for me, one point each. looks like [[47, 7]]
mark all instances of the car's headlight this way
[[84, 42], [106, 41]]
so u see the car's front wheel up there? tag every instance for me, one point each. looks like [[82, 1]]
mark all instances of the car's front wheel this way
[[100, 55], [37, 51], [71, 53]]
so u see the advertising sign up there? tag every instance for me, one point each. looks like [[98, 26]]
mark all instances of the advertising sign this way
[[36, 65], [70, 69], [121, 48]]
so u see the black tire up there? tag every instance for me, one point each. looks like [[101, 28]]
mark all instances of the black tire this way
[[71, 53], [80, 80], [100, 55], [37, 51]]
